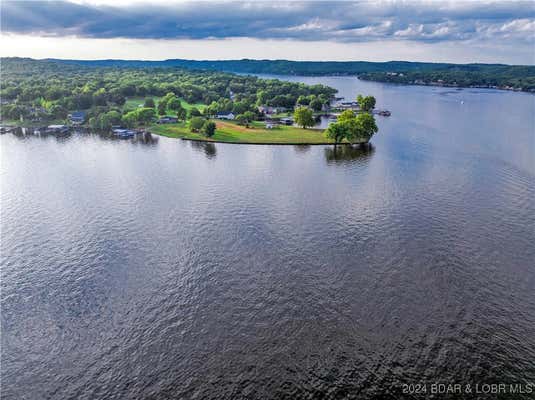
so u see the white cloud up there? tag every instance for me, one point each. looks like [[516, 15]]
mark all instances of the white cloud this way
[[349, 24], [237, 48]]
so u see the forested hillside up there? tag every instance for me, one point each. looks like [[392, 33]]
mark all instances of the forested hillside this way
[[41, 90], [502, 76]]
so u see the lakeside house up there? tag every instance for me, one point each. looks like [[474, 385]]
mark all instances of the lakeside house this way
[[167, 120], [347, 105], [225, 115], [77, 117]]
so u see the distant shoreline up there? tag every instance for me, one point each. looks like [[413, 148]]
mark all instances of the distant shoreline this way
[[474, 75]]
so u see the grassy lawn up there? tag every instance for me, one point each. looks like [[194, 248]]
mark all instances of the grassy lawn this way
[[134, 102], [233, 133], [188, 106]]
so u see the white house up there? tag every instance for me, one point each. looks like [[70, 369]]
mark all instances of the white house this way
[[225, 115]]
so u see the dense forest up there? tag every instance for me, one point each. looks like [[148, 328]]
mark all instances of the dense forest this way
[[516, 77], [45, 90], [497, 77]]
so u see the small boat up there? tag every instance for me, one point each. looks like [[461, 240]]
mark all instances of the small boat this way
[[384, 113], [57, 129]]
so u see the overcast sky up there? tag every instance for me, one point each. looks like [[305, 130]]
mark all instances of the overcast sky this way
[[456, 31]]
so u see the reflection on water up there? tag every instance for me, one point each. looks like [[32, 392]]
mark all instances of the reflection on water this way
[[143, 138], [347, 154], [207, 148], [302, 148]]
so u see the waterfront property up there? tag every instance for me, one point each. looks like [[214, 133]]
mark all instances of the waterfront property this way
[[410, 230], [255, 133]]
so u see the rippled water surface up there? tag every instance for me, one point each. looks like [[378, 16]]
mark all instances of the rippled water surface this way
[[172, 269]]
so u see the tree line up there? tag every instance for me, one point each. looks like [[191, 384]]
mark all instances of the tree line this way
[[51, 89], [520, 77]]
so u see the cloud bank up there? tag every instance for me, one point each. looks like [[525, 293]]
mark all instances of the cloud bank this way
[[510, 22]]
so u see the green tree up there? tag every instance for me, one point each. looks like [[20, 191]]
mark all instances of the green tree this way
[[130, 119], [246, 118], [249, 116], [336, 131], [99, 97], [208, 129], [303, 100], [104, 122], [174, 104], [194, 112], [366, 126], [212, 109], [149, 103], [240, 119], [58, 111], [182, 113], [304, 117], [93, 123], [261, 97], [164, 101], [366, 103], [100, 123], [316, 104], [240, 107], [162, 107], [352, 128], [145, 115], [114, 117], [196, 124], [346, 115]]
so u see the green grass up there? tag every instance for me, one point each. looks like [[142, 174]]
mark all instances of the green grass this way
[[134, 102], [232, 133], [189, 106]]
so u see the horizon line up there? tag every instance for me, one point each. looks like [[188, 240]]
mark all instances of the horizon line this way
[[261, 59]]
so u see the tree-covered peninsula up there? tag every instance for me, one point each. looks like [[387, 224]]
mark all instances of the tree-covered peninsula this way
[[175, 102]]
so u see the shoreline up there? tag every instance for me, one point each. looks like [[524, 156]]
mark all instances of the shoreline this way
[[194, 139], [229, 132], [207, 140]]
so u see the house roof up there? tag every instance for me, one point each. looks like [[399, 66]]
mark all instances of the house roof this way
[[225, 113]]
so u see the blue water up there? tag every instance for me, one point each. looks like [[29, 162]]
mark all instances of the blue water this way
[[168, 269]]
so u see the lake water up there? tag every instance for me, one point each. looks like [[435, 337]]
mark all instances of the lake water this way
[[170, 269]]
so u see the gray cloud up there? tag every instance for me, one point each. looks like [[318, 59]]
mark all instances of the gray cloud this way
[[314, 20]]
